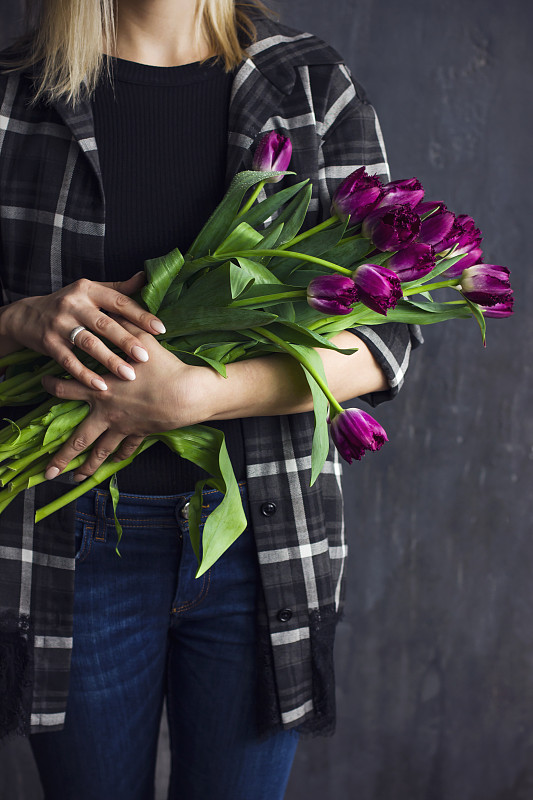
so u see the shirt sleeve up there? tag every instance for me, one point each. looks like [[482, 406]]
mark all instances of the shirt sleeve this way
[[351, 138]]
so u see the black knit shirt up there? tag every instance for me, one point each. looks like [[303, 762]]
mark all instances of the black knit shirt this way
[[161, 134]]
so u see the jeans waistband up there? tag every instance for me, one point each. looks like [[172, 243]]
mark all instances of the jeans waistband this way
[[97, 504]]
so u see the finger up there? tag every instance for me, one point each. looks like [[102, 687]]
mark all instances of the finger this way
[[60, 351], [112, 331], [128, 447], [82, 438], [112, 298], [106, 444], [65, 389]]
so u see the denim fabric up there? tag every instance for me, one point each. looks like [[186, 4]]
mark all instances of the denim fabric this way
[[144, 628]]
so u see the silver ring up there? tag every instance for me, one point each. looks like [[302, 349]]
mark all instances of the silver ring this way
[[74, 332]]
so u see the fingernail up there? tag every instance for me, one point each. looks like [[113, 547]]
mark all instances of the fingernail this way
[[79, 477], [51, 473], [139, 353], [126, 372], [158, 326], [141, 272], [98, 384]]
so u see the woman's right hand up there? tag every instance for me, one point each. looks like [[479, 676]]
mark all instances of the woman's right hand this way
[[44, 323]]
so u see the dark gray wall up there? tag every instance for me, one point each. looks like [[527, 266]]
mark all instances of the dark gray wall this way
[[435, 654]]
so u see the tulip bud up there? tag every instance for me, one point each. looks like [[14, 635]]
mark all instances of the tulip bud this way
[[377, 287], [412, 262], [354, 431], [392, 227], [356, 196], [273, 153], [408, 192], [486, 284], [332, 294], [499, 310]]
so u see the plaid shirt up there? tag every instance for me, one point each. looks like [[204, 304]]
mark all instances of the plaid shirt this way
[[52, 218]]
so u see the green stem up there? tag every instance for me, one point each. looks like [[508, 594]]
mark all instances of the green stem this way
[[251, 301], [19, 357], [311, 232], [291, 254], [18, 466], [105, 471], [251, 200], [311, 370], [429, 287], [49, 369]]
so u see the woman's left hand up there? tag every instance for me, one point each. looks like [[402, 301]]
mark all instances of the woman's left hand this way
[[166, 394]]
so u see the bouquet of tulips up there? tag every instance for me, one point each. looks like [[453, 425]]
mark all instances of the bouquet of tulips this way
[[250, 284]]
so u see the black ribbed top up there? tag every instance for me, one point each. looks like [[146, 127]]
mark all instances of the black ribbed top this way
[[161, 134]]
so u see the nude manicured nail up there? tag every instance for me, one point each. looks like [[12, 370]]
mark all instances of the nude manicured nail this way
[[98, 384], [51, 473], [126, 372], [79, 477], [158, 326], [139, 353]]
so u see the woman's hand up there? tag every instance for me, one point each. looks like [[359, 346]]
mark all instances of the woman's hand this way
[[44, 323], [167, 394]]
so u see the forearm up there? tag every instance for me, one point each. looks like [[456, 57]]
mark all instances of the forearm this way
[[7, 343], [276, 384]]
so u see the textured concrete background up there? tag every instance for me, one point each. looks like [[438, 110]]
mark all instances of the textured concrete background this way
[[435, 654]]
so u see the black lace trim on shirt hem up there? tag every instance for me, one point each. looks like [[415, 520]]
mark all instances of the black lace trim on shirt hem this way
[[16, 674]]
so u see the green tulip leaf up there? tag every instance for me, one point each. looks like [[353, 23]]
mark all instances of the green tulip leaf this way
[[113, 491], [260, 212], [311, 360], [206, 447], [206, 318], [293, 215], [243, 237], [222, 218], [258, 271], [65, 422], [478, 316], [160, 272]]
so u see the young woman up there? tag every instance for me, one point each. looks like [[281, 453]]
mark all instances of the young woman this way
[[123, 125]]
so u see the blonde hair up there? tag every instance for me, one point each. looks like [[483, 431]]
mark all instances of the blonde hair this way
[[67, 38]]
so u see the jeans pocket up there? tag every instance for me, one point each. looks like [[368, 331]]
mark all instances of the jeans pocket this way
[[84, 540]]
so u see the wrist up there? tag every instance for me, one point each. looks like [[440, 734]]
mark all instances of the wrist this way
[[8, 343]]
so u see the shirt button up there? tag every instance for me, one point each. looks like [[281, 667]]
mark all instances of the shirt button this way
[[268, 509], [284, 615]]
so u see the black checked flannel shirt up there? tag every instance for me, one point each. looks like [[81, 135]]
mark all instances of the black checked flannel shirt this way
[[52, 225]]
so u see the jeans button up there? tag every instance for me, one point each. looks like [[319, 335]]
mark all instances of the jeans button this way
[[183, 512], [268, 509], [284, 615]]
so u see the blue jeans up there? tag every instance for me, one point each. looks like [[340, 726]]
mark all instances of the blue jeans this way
[[144, 628]]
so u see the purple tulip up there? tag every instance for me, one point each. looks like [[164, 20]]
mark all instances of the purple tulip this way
[[332, 294], [392, 227], [354, 431], [407, 192], [412, 262], [356, 196], [463, 235], [377, 287], [486, 284], [472, 257], [273, 153], [435, 227], [499, 310]]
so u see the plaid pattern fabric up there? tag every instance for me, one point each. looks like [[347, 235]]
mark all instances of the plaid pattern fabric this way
[[52, 224]]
